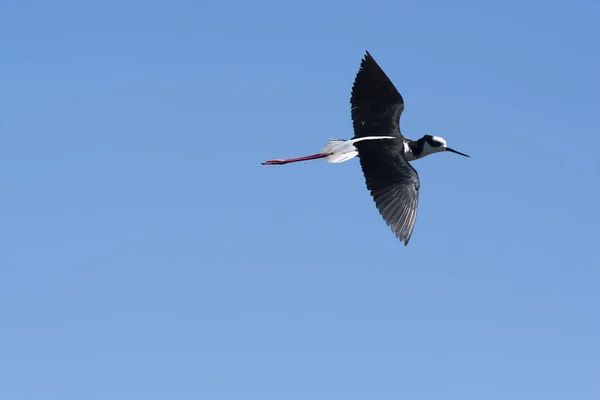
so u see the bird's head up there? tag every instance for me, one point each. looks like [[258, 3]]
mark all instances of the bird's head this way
[[436, 144]]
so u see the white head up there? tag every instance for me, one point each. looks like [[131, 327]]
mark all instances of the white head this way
[[435, 144]]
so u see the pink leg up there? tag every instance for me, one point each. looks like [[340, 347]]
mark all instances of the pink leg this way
[[291, 160]]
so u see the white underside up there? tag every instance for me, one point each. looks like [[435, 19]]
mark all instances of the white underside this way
[[338, 151]]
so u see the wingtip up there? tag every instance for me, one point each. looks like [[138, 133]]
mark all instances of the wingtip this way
[[402, 236], [404, 239]]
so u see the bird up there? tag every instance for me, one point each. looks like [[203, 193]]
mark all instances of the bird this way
[[384, 152]]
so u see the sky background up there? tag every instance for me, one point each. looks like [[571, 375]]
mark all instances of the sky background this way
[[146, 253]]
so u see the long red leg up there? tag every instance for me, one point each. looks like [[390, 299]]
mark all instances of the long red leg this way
[[291, 160]]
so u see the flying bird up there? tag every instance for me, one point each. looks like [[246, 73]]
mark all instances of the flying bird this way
[[383, 151]]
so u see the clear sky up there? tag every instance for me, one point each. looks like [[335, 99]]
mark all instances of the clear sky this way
[[146, 253]]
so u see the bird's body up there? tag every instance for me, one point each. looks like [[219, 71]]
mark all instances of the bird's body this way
[[384, 153]]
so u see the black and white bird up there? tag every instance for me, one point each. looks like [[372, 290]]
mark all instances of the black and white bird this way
[[383, 151]]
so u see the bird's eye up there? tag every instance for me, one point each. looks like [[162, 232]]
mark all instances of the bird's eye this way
[[435, 144]]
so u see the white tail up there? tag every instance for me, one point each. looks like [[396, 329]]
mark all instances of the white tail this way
[[335, 151], [338, 151]]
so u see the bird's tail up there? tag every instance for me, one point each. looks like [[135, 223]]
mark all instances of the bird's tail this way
[[337, 151]]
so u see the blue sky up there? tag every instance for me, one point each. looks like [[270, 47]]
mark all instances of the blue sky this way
[[146, 253]]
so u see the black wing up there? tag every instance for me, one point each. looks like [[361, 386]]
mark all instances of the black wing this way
[[392, 181], [394, 185], [376, 104]]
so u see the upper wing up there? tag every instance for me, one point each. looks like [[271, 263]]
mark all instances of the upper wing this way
[[376, 104], [393, 183]]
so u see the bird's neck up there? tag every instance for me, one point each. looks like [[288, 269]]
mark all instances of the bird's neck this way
[[413, 149], [416, 149]]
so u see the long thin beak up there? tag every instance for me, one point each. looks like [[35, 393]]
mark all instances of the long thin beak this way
[[457, 152]]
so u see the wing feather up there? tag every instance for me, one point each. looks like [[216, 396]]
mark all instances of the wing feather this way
[[398, 206]]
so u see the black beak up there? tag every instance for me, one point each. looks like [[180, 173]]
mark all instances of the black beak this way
[[457, 152]]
